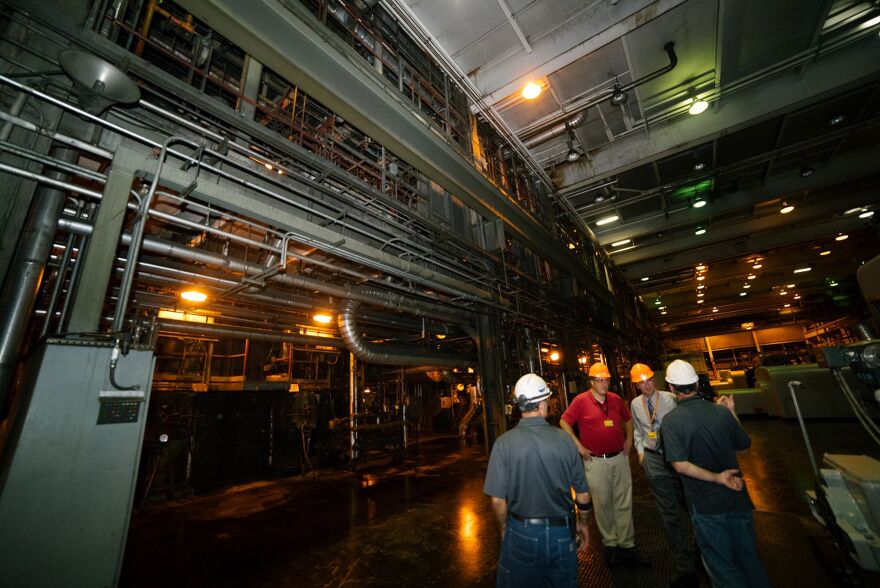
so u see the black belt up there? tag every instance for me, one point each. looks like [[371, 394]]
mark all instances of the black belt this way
[[654, 451], [605, 455], [548, 521]]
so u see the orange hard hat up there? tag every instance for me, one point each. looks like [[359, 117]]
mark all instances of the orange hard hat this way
[[599, 370], [640, 373]]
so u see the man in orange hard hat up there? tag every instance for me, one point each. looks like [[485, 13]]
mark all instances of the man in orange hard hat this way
[[604, 439], [648, 410]]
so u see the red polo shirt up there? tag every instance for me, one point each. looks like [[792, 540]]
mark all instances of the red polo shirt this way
[[590, 416]]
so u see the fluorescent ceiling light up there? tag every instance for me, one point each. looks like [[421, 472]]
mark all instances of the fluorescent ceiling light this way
[[826, 252], [622, 242], [867, 214], [743, 293], [700, 231], [645, 279], [841, 237], [869, 23], [607, 220], [801, 270]]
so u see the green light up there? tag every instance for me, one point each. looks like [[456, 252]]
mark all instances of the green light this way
[[694, 189]]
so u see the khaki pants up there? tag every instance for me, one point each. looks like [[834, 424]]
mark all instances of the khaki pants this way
[[610, 482]]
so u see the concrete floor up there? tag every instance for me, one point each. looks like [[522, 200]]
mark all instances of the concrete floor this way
[[427, 523]]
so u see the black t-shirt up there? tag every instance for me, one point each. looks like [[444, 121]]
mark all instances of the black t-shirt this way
[[533, 467], [706, 435]]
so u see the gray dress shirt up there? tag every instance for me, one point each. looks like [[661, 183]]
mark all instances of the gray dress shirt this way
[[664, 402]]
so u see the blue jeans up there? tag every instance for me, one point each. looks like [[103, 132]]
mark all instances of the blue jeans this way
[[727, 544], [537, 555]]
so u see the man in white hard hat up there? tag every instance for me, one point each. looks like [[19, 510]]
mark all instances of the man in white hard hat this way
[[700, 440], [532, 471], [648, 411]]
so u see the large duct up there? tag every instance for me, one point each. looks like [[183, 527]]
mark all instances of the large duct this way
[[348, 330]]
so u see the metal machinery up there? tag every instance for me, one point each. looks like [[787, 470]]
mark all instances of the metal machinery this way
[[847, 495], [433, 253]]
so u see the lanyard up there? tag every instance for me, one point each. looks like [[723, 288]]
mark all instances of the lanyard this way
[[603, 405]]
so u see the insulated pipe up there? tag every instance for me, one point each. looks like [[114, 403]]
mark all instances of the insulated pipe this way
[[59, 137], [347, 322], [374, 297], [32, 251], [206, 330], [56, 182], [580, 114]]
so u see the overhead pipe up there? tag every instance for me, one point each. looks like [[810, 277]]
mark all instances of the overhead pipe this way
[[375, 297], [346, 320], [579, 115], [206, 330]]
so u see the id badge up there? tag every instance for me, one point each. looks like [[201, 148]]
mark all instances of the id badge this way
[[652, 434], [609, 423]]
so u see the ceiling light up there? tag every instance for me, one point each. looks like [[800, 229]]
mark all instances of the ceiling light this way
[[783, 292], [621, 242], [322, 318], [607, 220], [699, 166], [786, 305], [700, 231], [743, 293], [571, 245], [545, 349], [757, 266], [701, 278], [619, 96], [193, 296], [836, 120], [554, 356], [531, 91], [786, 208], [573, 154], [645, 279], [867, 214], [700, 294], [440, 336], [702, 267], [797, 296], [700, 301], [700, 287], [699, 203], [751, 276], [664, 312], [806, 170], [801, 270], [870, 22], [826, 252], [841, 237], [746, 286], [698, 106], [715, 309], [657, 302], [790, 285], [832, 283]]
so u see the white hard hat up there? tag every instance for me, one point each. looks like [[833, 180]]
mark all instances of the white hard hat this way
[[530, 389], [680, 373]]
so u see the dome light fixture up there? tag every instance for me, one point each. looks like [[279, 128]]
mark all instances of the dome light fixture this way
[[699, 166], [531, 91], [786, 208], [836, 120], [825, 252], [700, 203], [698, 105], [806, 170], [193, 295], [700, 231], [841, 237], [867, 214], [645, 279], [619, 97]]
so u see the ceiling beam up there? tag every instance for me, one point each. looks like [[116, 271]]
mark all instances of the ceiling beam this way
[[849, 67]]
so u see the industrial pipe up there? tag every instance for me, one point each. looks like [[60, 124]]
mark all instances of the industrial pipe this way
[[580, 114], [206, 330]]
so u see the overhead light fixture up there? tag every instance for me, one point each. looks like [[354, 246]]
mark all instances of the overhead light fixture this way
[[700, 231], [757, 266], [786, 305], [746, 286], [751, 276], [664, 312], [657, 302], [806, 170], [825, 252], [790, 285], [743, 293], [867, 214], [554, 356], [836, 120], [801, 270], [832, 283], [786, 208], [645, 279], [545, 349], [700, 301], [193, 296], [700, 294], [531, 91], [783, 292], [699, 203], [699, 166], [797, 296], [702, 267], [619, 96], [700, 287], [869, 23], [573, 154], [323, 318], [440, 336], [607, 220], [621, 242], [841, 237], [701, 278], [715, 309], [571, 245], [698, 105]]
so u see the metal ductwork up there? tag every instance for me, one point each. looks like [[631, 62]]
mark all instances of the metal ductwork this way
[[348, 330], [581, 114]]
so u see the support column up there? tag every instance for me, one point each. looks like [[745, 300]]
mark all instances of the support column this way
[[491, 376], [253, 73], [711, 357], [88, 301]]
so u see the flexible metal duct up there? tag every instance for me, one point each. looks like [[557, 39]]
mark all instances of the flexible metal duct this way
[[578, 118], [205, 330], [347, 322]]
